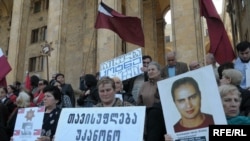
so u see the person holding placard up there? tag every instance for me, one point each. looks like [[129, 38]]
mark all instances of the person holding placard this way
[[187, 98], [148, 94], [106, 89], [52, 113]]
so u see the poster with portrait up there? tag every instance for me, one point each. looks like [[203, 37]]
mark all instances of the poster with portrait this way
[[191, 102], [125, 66], [28, 126], [101, 124]]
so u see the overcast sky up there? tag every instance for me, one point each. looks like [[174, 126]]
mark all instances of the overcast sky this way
[[217, 4]]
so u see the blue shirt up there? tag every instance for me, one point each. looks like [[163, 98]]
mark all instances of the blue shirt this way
[[171, 71], [242, 67]]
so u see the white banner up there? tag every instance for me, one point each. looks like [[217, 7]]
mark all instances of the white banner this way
[[101, 124], [125, 66], [28, 125]]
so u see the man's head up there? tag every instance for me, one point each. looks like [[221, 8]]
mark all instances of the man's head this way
[[27, 127], [187, 97], [146, 60], [60, 77], [193, 65], [118, 84], [243, 49], [170, 58]]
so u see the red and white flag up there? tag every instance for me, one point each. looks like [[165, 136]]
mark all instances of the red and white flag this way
[[128, 28], [220, 45], [27, 82], [5, 68]]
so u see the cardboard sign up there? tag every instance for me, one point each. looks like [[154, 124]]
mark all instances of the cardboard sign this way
[[28, 125], [182, 102], [125, 66], [101, 124]]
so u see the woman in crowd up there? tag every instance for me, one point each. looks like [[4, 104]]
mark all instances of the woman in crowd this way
[[52, 99], [65, 99], [234, 77], [148, 94], [231, 100], [106, 89], [5, 100], [39, 95], [90, 96], [11, 93], [123, 94]]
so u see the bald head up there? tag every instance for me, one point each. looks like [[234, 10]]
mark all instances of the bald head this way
[[170, 58], [194, 65]]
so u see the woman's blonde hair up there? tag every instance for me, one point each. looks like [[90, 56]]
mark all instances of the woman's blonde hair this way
[[234, 75], [228, 89], [23, 99]]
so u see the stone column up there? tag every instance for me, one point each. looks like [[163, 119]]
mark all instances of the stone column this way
[[133, 8], [108, 42], [15, 35], [160, 25], [187, 33], [56, 34], [150, 33]]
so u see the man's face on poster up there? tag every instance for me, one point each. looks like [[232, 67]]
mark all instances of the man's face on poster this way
[[187, 101]]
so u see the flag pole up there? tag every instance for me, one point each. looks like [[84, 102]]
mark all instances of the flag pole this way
[[91, 43]]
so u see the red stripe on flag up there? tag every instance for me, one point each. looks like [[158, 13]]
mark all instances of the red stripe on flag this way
[[220, 45], [27, 82], [5, 68], [128, 28]]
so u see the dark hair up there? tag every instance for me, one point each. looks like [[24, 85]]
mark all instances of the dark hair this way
[[146, 56], [182, 81], [17, 83], [45, 82], [13, 88], [90, 80], [55, 91], [27, 124], [242, 46], [59, 74], [34, 80], [227, 65]]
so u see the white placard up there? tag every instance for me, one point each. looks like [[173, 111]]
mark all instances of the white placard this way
[[1, 52], [125, 66], [247, 78], [28, 125], [101, 123], [210, 104]]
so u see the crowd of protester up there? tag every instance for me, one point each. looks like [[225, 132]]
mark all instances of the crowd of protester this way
[[55, 94]]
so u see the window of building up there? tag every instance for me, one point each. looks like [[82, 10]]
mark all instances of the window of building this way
[[34, 35], [43, 33], [37, 6], [167, 38], [32, 64], [36, 64], [46, 4]]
